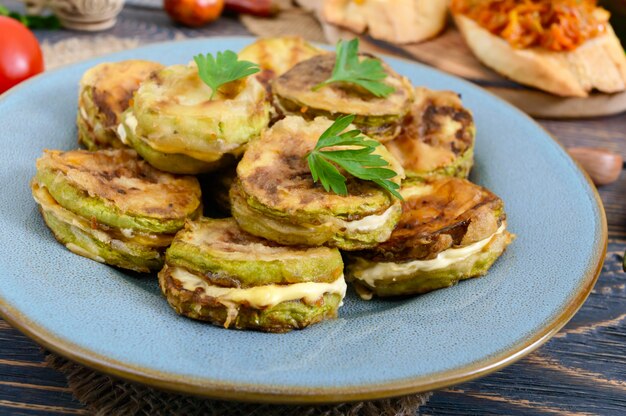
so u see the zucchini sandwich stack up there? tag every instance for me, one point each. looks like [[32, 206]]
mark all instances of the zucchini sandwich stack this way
[[105, 93], [450, 230], [217, 272], [275, 56], [306, 90], [275, 196], [180, 124], [437, 137], [112, 207]]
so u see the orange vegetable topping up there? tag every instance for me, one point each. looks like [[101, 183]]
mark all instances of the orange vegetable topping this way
[[557, 25]]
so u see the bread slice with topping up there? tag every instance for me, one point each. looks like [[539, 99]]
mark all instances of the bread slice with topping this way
[[598, 63]]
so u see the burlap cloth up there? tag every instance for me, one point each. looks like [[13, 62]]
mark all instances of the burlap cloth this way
[[105, 395]]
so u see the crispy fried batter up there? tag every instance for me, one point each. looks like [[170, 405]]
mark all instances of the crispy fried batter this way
[[129, 183], [437, 132], [296, 85], [437, 215], [274, 172], [283, 317], [113, 84], [278, 55], [224, 255]]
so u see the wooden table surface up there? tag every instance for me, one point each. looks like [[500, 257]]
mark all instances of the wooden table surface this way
[[581, 371]]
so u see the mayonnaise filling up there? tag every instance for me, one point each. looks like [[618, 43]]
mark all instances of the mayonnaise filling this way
[[387, 270], [369, 223], [129, 121], [260, 296], [43, 198]]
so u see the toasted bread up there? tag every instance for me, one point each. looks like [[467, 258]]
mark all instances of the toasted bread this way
[[599, 63], [403, 21]]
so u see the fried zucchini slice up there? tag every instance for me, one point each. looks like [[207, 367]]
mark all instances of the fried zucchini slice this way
[[437, 137], [217, 272], [379, 118], [275, 197], [110, 206], [104, 94], [176, 127], [117, 189], [278, 55], [450, 230], [78, 235], [225, 255]]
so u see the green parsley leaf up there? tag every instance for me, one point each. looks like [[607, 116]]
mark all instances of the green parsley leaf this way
[[366, 73], [31, 21], [358, 159], [222, 69]]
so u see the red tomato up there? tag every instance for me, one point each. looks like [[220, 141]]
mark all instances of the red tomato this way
[[194, 13], [20, 55]]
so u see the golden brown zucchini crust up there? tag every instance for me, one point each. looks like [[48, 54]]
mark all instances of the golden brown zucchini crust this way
[[105, 93], [178, 125], [379, 118], [112, 207], [439, 214], [121, 180], [219, 273], [437, 137], [450, 230], [275, 196], [278, 55], [283, 317], [225, 255]]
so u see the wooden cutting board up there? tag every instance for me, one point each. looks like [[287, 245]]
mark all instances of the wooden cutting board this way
[[448, 52]]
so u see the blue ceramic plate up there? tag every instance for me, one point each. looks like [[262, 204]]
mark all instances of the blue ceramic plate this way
[[119, 323]]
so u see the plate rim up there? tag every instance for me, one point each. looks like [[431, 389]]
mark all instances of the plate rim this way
[[317, 395]]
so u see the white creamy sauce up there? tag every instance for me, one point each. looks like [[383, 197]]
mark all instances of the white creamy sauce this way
[[82, 229], [369, 223], [261, 296], [131, 122], [127, 232], [387, 270], [82, 252], [416, 191], [83, 114], [121, 133]]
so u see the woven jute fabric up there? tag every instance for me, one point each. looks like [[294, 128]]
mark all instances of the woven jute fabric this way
[[105, 395]]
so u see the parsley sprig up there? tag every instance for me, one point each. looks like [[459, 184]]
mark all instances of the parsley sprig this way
[[366, 73], [354, 154], [222, 69]]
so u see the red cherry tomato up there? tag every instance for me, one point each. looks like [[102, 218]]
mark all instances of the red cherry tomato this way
[[20, 55], [194, 13]]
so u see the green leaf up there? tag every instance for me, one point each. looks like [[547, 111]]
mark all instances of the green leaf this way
[[225, 67], [354, 154], [32, 21], [349, 68]]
